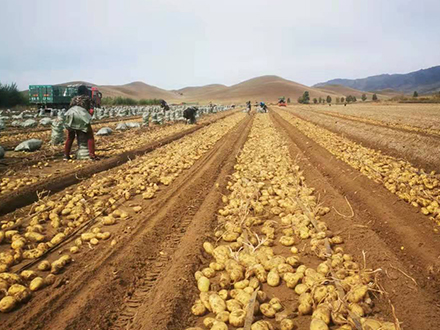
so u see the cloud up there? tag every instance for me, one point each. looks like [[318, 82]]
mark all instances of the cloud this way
[[173, 44]]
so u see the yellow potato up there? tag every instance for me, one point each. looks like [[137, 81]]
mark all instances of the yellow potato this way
[[19, 292], [203, 284], [36, 284], [237, 318], [198, 308], [7, 304]]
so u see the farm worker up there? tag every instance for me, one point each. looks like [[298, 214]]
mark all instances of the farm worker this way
[[190, 114], [78, 123], [263, 106], [249, 106], [164, 105]]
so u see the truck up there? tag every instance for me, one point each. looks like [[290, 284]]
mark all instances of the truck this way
[[59, 96]]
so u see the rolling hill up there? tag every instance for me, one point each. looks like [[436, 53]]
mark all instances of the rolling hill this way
[[265, 88], [424, 81]]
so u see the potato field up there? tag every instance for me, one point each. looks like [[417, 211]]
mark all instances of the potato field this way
[[308, 217]]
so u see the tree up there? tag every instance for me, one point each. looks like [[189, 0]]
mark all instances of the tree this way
[[374, 97], [364, 97], [349, 98], [315, 100], [288, 100], [306, 97], [329, 99], [300, 99], [10, 96], [415, 94], [342, 99], [320, 100]]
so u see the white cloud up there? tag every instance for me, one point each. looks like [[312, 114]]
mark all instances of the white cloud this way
[[175, 43]]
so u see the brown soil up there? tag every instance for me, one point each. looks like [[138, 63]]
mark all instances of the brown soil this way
[[395, 237], [391, 141], [108, 285]]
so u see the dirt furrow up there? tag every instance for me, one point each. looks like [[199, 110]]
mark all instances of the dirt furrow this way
[[394, 235]]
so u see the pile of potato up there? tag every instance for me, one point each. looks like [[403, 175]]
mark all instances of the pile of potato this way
[[271, 243], [409, 183], [102, 198]]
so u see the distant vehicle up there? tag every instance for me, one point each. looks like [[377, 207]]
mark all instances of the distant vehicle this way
[[58, 97], [282, 102]]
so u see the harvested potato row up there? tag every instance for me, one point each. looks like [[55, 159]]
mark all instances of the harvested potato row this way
[[411, 184], [270, 208], [98, 199]]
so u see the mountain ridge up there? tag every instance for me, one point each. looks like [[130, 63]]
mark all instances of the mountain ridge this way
[[424, 81]]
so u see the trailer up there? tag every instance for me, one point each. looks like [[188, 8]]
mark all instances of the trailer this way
[[58, 96]]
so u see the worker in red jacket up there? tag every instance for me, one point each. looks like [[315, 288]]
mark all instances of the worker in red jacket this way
[[78, 123]]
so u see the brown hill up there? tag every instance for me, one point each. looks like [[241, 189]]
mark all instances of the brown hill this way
[[198, 92], [139, 90], [266, 88]]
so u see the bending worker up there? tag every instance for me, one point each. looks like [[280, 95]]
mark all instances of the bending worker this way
[[78, 123]]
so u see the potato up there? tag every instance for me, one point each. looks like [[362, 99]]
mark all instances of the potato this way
[[273, 278], [322, 312], [216, 266], [318, 324], [209, 322], [203, 284], [287, 324], [28, 275], [319, 293], [357, 294], [241, 284], [243, 297], [218, 305], [233, 304], [208, 272], [108, 220], [267, 310], [36, 284], [7, 304], [371, 324], [11, 278], [218, 325], [74, 249], [224, 294], [94, 241], [34, 237], [44, 265], [223, 316], [204, 297], [198, 308], [304, 309], [301, 288], [87, 236], [262, 325], [19, 292], [287, 240], [261, 296], [237, 318], [276, 304], [58, 238], [208, 247]]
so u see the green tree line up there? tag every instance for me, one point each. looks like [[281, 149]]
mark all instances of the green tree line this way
[[128, 101], [10, 96]]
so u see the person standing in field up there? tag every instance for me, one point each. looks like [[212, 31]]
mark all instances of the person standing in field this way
[[78, 123], [249, 107]]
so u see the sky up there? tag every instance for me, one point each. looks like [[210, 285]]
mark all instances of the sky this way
[[177, 43]]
